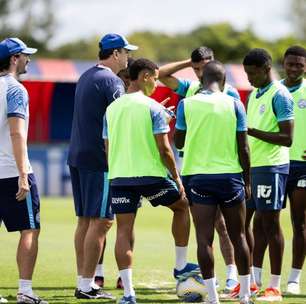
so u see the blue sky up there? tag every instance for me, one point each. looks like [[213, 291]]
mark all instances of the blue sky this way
[[83, 19]]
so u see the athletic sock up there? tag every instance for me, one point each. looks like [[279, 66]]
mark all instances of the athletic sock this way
[[231, 272], [211, 290], [79, 278], [99, 271], [257, 274], [25, 287], [126, 277], [180, 257], [245, 283], [85, 284], [252, 273], [275, 281], [295, 275]]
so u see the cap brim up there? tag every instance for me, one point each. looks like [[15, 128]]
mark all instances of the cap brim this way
[[131, 47], [29, 51]]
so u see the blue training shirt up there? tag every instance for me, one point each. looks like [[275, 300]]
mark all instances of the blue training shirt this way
[[239, 109], [95, 90]]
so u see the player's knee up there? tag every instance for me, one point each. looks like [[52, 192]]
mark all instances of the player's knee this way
[[298, 225], [180, 205]]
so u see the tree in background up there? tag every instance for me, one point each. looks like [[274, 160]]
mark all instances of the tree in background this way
[[30, 20], [298, 17]]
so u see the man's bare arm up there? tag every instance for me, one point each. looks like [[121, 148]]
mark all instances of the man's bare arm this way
[[282, 138], [18, 138], [166, 73], [244, 159], [167, 157]]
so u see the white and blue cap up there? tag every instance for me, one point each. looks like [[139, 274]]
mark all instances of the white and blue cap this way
[[12, 46], [115, 41]]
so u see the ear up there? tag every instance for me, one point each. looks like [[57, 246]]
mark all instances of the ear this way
[[145, 76]]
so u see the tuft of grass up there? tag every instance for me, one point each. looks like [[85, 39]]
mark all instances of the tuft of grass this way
[[55, 275]]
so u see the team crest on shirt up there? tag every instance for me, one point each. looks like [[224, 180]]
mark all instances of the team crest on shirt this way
[[302, 103], [262, 109]]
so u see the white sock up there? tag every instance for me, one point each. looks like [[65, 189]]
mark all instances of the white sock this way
[[275, 281], [295, 275], [25, 287], [245, 283], [257, 274], [85, 284], [79, 278], [212, 290], [252, 273], [180, 257], [99, 271], [126, 277], [231, 272]]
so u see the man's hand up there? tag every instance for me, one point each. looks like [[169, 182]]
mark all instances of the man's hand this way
[[180, 187], [247, 188], [23, 187]]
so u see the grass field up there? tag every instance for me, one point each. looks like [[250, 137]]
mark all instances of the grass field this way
[[54, 277]]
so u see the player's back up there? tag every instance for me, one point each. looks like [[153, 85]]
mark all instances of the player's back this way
[[210, 145], [94, 92], [132, 147]]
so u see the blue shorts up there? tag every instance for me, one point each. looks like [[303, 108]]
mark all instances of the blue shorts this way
[[90, 193], [23, 215], [125, 199], [297, 177], [225, 190], [268, 191]]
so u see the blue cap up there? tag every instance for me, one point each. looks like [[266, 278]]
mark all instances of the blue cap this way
[[11, 46], [115, 41]]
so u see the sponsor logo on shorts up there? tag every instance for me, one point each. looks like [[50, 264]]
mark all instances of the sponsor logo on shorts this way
[[264, 191], [198, 194], [120, 200], [157, 195], [302, 183], [302, 104], [262, 109]]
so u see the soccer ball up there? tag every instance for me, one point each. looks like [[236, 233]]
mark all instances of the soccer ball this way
[[192, 285]]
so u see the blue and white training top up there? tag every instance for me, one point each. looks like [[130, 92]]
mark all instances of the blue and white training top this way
[[14, 102]]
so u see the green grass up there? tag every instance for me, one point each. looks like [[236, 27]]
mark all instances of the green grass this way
[[54, 277]]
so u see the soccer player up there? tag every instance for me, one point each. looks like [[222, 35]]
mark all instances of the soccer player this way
[[187, 88], [294, 66], [95, 90], [139, 155], [99, 273], [211, 126], [270, 119], [19, 204]]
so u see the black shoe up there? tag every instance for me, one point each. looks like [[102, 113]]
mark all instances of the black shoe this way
[[94, 294]]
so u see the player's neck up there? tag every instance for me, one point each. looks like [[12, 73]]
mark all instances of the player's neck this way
[[213, 87], [293, 82], [133, 88], [8, 72], [109, 63]]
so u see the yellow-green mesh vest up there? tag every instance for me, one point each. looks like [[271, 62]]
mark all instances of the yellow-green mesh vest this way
[[210, 143], [132, 148], [195, 86], [299, 136], [260, 116]]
